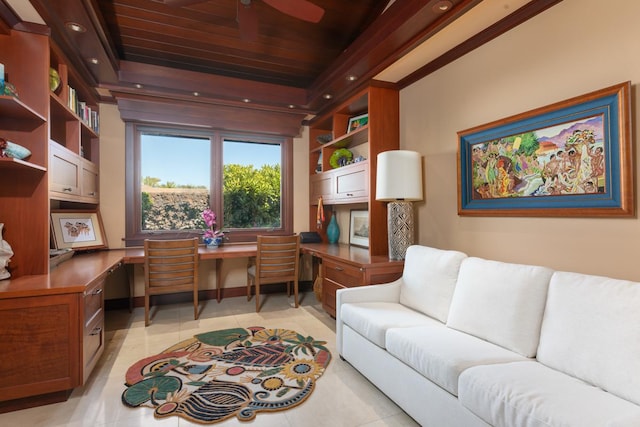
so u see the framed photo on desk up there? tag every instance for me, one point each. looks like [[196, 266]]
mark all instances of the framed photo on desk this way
[[359, 228], [77, 229]]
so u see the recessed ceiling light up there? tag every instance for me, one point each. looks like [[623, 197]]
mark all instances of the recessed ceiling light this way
[[442, 6], [196, 93], [94, 61], [74, 26], [352, 77], [138, 86], [247, 100], [292, 106], [327, 96]]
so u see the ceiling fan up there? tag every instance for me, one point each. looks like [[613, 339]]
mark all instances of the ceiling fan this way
[[248, 20]]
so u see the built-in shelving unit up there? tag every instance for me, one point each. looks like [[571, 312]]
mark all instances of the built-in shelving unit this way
[[355, 182], [24, 199]]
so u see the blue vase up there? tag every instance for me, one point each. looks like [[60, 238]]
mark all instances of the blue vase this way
[[212, 242], [333, 231]]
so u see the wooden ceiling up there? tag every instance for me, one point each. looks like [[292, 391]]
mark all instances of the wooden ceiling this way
[[171, 49], [207, 37]]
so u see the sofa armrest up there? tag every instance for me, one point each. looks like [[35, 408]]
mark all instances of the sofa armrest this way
[[388, 292]]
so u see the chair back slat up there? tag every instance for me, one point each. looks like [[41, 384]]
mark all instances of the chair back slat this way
[[170, 266], [277, 258]]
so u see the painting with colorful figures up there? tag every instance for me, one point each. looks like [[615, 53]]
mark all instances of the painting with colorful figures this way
[[568, 159]]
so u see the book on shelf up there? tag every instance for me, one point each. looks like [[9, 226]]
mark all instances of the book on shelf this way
[[83, 111], [72, 102]]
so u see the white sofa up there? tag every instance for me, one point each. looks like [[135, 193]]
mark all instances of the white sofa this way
[[464, 341]]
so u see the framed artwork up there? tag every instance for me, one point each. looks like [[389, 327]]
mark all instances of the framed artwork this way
[[357, 122], [77, 229], [359, 228], [569, 159]]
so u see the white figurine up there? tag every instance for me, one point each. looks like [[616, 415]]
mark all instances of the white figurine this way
[[5, 255]]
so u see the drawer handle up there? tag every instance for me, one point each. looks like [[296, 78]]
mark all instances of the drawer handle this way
[[339, 269], [93, 193], [96, 331], [97, 292], [66, 189]]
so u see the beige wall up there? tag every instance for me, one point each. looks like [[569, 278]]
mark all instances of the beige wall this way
[[112, 203], [575, 47]]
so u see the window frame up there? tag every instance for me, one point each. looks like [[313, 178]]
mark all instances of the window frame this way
[[135, 236]]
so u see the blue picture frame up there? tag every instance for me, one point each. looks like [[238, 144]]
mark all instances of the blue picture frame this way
[[569, 159]]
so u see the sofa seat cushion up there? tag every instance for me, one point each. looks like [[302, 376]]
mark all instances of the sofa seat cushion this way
[[529, 394], [428, 280], [501, 302], [591, 330], [373, 319], [441, 354]]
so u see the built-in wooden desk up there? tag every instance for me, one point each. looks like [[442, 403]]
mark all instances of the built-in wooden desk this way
[[136, 256], [63, 313], [52, 330], [344, 266]]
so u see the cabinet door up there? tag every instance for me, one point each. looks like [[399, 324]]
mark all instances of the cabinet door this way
[[93, 321], [64, 172], [352, 183], [90, 180], [321, 184], [39, 352]]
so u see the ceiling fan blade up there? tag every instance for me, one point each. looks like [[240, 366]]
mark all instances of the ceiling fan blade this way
[[180, 3], [247, 21], [301, 9]]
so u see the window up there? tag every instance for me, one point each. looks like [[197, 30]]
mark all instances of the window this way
[[173, 174]]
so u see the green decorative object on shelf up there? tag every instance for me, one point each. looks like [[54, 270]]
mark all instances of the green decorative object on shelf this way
[[54, 79], [340, 157]]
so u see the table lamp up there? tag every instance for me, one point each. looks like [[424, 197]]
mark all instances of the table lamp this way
[[399, 182]]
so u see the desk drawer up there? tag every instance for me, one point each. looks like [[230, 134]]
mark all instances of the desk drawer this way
[[329, 288], [343, 274], [92, 345], [94, 301], [93, 334]]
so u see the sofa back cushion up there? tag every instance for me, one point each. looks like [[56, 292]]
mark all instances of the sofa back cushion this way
[[428, 280], [591, 330], [501, 302]]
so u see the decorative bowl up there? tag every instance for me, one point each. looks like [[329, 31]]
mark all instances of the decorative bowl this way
[[323, 139], [14, 150], [340, 157]]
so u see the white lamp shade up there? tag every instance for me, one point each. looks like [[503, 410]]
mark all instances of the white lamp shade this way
[[399, 176]]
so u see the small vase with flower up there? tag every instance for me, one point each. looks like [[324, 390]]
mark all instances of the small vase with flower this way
[[212, 238]]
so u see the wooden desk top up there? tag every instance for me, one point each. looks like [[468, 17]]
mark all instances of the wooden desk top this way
[[136, 255], [73, 275], [350, 254]]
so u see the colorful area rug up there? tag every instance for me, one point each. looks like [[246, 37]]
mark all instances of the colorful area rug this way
[[233, 372]]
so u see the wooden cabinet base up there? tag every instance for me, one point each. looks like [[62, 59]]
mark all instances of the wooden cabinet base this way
[[39, 352], [32, 402], [346, 266]]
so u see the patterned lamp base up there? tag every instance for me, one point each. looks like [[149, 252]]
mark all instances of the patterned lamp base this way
[[400, 228]]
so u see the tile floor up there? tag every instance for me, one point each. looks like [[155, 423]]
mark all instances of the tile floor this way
[[342, 398]]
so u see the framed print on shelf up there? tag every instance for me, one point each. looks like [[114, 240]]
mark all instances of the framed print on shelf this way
[[357, 122], [77, 229], [569, 159], [359, 228]]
